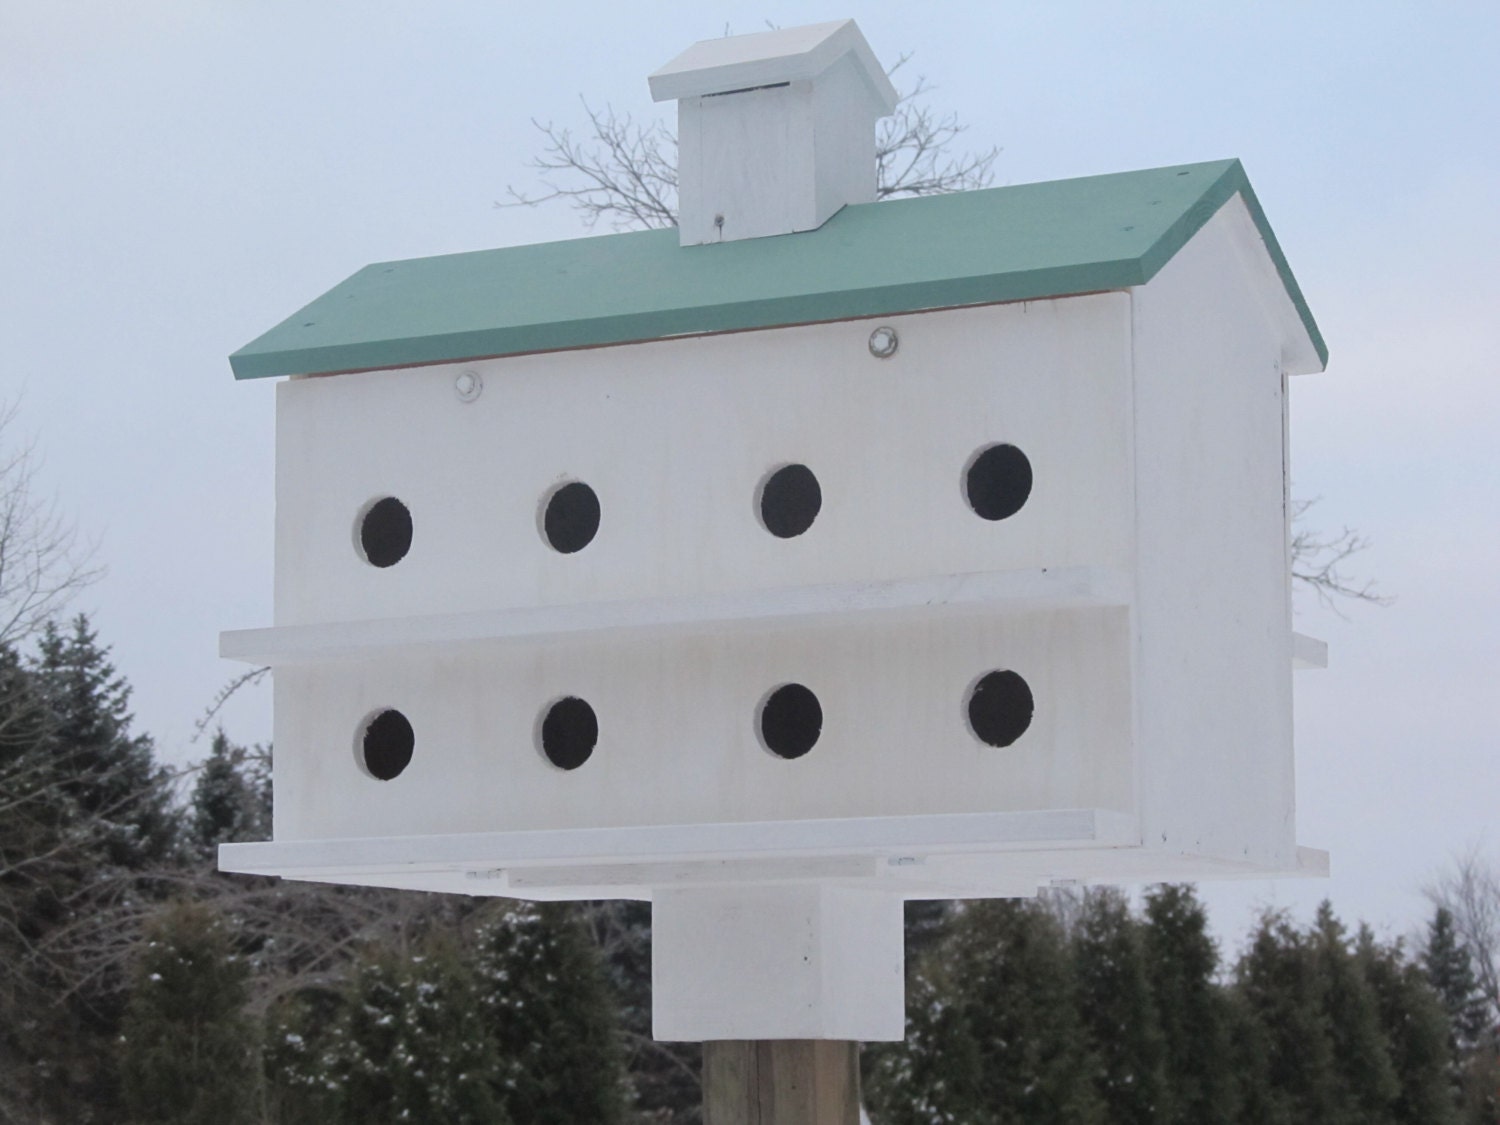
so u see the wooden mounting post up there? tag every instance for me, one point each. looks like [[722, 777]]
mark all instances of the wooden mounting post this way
[[780, 1082]]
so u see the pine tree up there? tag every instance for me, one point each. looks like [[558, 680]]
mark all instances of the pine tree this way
[[1451, 973], [992, 1029], [1415, 1030], [1181, 967], [1118, 1012], [186, 1048], [1287, 1051], [413, 1045], [663, 1077], [1365, 1077], [232, 797], [547, 1006], [113, 774]]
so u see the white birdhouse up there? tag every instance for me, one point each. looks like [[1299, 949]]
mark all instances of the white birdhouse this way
[[938, 551]]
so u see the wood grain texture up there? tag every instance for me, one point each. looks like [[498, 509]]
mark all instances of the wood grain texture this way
[[781, 1082]]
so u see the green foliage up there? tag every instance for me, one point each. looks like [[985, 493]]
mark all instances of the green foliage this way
[[232, 796], [86, 824], [412, 1045], [665, 1076], [1182, 965], [549, 1011], [111, 773], [1364, 1077], [1450, 972], [186, 1047], [1416, 1033], [993, 1036], [1278, 985], [1118, 1012]]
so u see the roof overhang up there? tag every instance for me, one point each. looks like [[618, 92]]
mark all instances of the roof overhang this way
[[1026, 242]]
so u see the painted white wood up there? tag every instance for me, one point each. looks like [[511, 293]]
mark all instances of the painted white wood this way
[[1308, 652], [791, 54], [893, 836], [1214, 653], [777, 963], [675, 436], [775, 131], [1267, 290], [678, 740], [1020, 591], [1142, 592]]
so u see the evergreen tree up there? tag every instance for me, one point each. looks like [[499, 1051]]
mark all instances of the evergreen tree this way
[[113, 775], [186, 1048], [548, 1008], [1415, 1030], [1365, 1078], [413, 1045], [1181, 966], [664, 1077], [85, 818], [992, 1029], [1451, 973], [1288, 1052], [232, 797], [1118, 1012]]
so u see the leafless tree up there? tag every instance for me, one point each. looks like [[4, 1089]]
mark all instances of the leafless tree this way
[[42, 563], [1320, 561], [1470, 891], [625, 171]]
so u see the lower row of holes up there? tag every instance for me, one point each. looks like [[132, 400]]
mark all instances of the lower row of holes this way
[[790, 721]]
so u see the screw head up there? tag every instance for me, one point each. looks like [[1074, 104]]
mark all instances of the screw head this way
[[884, 342], [468, 385]]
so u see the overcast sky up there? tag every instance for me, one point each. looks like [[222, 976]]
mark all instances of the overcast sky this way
[[176, 176]]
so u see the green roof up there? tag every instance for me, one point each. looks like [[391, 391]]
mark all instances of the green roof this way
[[873, 259]]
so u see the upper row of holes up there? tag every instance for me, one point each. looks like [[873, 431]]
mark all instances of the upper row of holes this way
[[997, 482], [790, 721]]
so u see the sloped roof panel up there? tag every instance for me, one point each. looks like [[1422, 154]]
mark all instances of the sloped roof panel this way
[[1017, 243]]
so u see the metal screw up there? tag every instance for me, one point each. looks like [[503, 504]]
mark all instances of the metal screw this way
[[884, 342], [468, 385]]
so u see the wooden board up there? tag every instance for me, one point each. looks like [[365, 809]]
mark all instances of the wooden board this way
[[781, 1082]]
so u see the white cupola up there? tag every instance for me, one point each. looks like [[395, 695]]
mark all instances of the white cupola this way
[[775, 131]]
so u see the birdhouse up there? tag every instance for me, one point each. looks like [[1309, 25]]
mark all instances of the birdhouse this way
[[937, 550]]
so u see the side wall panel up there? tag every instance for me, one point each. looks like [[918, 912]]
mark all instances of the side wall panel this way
[[1214, 659]]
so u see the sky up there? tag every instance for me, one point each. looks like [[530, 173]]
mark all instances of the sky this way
[[176, 176]]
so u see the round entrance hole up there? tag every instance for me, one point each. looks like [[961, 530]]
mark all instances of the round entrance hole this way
[[568, 733], [386, 744], [385, 532], [997, 482], [1000, 707], [790, 500], [570, 519], [791, 719]]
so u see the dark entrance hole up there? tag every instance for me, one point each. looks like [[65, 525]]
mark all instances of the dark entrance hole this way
[[387, 745], [571, 518], [790, 721], [790, 500], [1000, 708], [385, 532], [569, 732], [998, 481]]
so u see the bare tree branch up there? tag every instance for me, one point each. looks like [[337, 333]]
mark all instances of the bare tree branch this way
[[42, 563], [626, 172], [1319, 562], [1470, 891]]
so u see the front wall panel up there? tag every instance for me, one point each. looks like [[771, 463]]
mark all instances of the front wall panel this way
[[675, 437], [678, 740]]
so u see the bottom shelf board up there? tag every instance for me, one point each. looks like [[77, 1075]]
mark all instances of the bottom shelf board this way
[[975, 855]]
